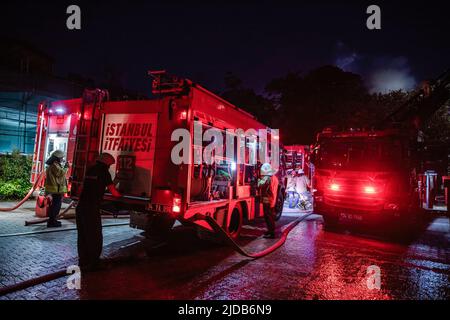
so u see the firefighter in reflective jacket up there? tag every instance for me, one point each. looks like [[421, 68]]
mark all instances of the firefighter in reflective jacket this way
[[55, 186], [89, 225], [268, 185]]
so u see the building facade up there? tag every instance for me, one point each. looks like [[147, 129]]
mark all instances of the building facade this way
[[26, 79]]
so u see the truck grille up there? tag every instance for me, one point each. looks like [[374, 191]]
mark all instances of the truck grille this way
[[351, 195]]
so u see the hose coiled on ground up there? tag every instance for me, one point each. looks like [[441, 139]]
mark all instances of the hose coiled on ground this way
[[34, 187], [224, 235]]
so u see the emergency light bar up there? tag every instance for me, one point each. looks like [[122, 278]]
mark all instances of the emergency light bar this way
[[165, 83]]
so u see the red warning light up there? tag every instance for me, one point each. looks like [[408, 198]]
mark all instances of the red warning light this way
[[335, 187], [370, 189]]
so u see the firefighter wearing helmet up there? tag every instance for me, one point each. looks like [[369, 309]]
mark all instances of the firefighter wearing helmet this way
[[55, 185], [268, 186], [302, 182], [89, 225]]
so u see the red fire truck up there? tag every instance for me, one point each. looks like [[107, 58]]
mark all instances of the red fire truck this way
[[157, 192], [296, 156], [371, 176]]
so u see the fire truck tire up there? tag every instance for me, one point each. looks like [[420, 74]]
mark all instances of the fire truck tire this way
[[279, 205], [159, 226], [235, 222], [233, 228]]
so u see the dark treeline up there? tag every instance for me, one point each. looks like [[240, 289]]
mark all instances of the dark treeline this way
[[302, 104]]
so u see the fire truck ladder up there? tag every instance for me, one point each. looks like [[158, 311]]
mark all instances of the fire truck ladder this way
[[424, 102], [87, 141], [37, 162]]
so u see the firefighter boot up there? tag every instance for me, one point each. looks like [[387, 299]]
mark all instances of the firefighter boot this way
[[53, 224]]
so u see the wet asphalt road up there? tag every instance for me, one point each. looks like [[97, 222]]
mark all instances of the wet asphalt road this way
[[313, 264]]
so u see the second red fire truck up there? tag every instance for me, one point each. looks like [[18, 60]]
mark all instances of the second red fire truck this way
[[382, 174]]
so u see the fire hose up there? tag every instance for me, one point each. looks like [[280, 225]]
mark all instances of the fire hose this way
[[46, 277], [230, 241], [34, 187], [72, 204], [214, 225], [32, 282], [60, 215]]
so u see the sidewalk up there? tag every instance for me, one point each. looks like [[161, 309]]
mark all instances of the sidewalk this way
[[14, 221], [27, 256]]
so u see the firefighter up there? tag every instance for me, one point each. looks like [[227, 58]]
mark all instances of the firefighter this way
[[55, 186], [268, 184], [293, 195], [302, 182], [303, 185], [89, 226]]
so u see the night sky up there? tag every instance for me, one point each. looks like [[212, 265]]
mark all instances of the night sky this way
[[257, 41]]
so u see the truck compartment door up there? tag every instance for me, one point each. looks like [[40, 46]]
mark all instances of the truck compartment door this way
[[130, 139]]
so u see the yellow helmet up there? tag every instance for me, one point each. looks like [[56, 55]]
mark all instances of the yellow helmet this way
[[58, 154]]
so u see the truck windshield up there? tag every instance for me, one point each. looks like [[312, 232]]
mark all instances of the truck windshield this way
[[360, 154]]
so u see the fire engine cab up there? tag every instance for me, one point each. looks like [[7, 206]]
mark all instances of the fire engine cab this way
[[139, 134], [363, 176], [372, 176]]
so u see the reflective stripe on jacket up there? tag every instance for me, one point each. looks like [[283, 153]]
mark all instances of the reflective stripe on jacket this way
[[269, 189], [55, 179]]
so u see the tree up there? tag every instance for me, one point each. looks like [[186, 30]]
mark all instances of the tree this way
[[301, 105], [437, 129], [246, 99], [325, 96]]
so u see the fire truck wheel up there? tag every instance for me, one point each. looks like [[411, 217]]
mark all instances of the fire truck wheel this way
[[233, 228], [279, 205], [159, 227], [235, 222]]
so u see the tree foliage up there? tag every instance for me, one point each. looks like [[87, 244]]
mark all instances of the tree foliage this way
[[437, 130], [245, 98], [15, 172], [301, 105], [326, 96]]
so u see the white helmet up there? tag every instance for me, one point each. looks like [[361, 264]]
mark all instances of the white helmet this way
[[266, 169]]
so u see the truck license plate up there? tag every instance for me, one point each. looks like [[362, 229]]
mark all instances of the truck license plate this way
[[350, 216], [160, 208]]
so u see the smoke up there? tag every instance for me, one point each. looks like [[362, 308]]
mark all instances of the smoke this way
[[381, 74], [347, 59], [346, 62], [391, 74]]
